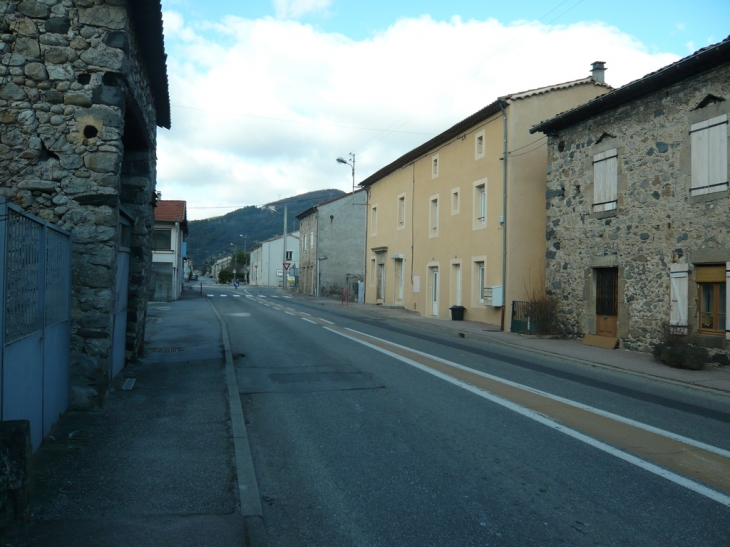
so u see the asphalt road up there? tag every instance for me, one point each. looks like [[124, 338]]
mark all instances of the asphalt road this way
[[390, 435]]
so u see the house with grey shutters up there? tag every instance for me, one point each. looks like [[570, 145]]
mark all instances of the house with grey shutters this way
[[83, 88], [638, 207]]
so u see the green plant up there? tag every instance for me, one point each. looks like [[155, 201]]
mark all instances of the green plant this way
[[225, 276], [675, 350]]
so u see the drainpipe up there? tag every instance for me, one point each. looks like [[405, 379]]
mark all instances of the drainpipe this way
[[365, 263], [504, 208], [316, 253]]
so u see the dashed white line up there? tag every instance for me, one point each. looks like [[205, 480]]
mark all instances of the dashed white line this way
[[309, 321], [289, 313], [330, 322]]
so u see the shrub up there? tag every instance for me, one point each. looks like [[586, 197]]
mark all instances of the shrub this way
[[675, 350], [543, 309], [225, 276]]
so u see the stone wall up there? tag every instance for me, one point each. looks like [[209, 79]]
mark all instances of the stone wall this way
[[77, 141], [656, 222]]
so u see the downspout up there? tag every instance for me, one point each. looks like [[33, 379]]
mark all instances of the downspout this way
[[504, 209], [316, 254], [367, 234]]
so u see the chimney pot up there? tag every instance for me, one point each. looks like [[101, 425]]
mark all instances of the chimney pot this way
[[598, 72]]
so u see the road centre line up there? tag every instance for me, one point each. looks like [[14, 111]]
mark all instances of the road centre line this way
[[290, 313], [305, 313], [328, 322], [309, 320], [710, 467]]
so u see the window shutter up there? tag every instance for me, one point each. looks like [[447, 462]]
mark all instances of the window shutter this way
[[727, 300], [605, 178], [709, 156], [679, 278]]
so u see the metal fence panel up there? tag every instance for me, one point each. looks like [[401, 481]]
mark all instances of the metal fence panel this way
[[35, 323]]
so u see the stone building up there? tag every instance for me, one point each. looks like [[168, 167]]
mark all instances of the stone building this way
[[83, 86], [638, 207], [332, 245]]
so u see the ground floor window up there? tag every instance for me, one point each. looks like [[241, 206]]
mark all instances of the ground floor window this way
[[712, 308]]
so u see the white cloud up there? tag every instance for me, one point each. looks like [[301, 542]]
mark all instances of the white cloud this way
[[296, 8], [419, 75]]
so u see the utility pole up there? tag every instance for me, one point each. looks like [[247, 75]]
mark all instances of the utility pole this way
[[284, 271]]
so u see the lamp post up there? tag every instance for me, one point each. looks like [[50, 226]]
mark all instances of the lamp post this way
[[352, 157]]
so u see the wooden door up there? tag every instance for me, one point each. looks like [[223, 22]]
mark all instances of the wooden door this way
[[607, 302]]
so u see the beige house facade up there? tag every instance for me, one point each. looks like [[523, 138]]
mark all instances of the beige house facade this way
[[451, 224]]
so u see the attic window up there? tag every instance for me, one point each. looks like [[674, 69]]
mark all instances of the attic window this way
[[710, 99]]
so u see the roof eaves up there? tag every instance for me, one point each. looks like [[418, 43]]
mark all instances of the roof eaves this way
[[700, 61]]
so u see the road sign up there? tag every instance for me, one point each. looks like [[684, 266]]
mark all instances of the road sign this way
[[286, 265]]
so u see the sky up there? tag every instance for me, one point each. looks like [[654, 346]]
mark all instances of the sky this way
[[266, 95]]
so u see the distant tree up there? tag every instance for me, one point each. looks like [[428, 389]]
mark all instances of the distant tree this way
[[225, 276]]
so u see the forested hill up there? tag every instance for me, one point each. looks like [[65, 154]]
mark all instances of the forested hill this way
[[213, 236]]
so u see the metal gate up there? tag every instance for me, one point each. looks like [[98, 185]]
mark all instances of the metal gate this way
[[35, 320]]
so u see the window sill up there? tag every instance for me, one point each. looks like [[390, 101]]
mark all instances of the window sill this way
[[712, 196], [605, 214]]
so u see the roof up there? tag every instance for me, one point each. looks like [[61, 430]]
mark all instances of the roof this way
[[304, 214], [170, 210], [700, 61], [146, 16], [467, 123]]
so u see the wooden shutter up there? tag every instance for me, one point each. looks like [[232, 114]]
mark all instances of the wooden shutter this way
[[605, 179], [679, 278], [709, 156]]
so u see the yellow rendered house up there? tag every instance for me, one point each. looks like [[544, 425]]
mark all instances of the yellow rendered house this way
[[451, 223]]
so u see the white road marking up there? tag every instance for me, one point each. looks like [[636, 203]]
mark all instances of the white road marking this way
[[242, 314], [628, 421], [289, 313], [309, 321], [209, 295], [286, 296], [223, 295], [305, 313], [330, 322], [237, 295], [540, 418]]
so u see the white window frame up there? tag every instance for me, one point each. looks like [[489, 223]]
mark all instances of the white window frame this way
[[480, 138], [605, 181], [433, 216], [401, 213], [479, 279], [435, 166], [374, 220], [709, 156], [455, 200], [480, 204]]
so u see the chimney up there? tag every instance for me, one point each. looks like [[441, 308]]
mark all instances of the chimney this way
[[598, 72]]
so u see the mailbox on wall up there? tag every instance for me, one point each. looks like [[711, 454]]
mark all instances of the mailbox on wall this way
[[493, 296]]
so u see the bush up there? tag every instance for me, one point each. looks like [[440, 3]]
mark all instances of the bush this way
[[675, 350], [543, 309], [225, 276]]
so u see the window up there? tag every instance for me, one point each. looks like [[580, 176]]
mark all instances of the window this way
[[434, 216], [162, 240], [479, 145], [374, 220], [479, 281], [455, 201], [711, 299], [709, 156], [304, 243], [289, 255], [605, 179], [401, 211], [435, 166], [480, 203]]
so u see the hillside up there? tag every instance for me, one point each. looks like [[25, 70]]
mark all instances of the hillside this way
[[213, 236]]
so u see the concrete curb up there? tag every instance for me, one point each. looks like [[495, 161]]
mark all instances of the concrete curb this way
[[247, 485]]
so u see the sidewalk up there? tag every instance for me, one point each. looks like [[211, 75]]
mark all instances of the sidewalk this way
[[155, 466], [713, 379]]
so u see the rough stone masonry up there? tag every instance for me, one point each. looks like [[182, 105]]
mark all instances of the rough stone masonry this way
[[82, 87]]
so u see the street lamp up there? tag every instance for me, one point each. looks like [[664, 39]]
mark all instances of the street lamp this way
[[352, 157]]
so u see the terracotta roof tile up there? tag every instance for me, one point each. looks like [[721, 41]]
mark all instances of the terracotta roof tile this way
[[171, 211]]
